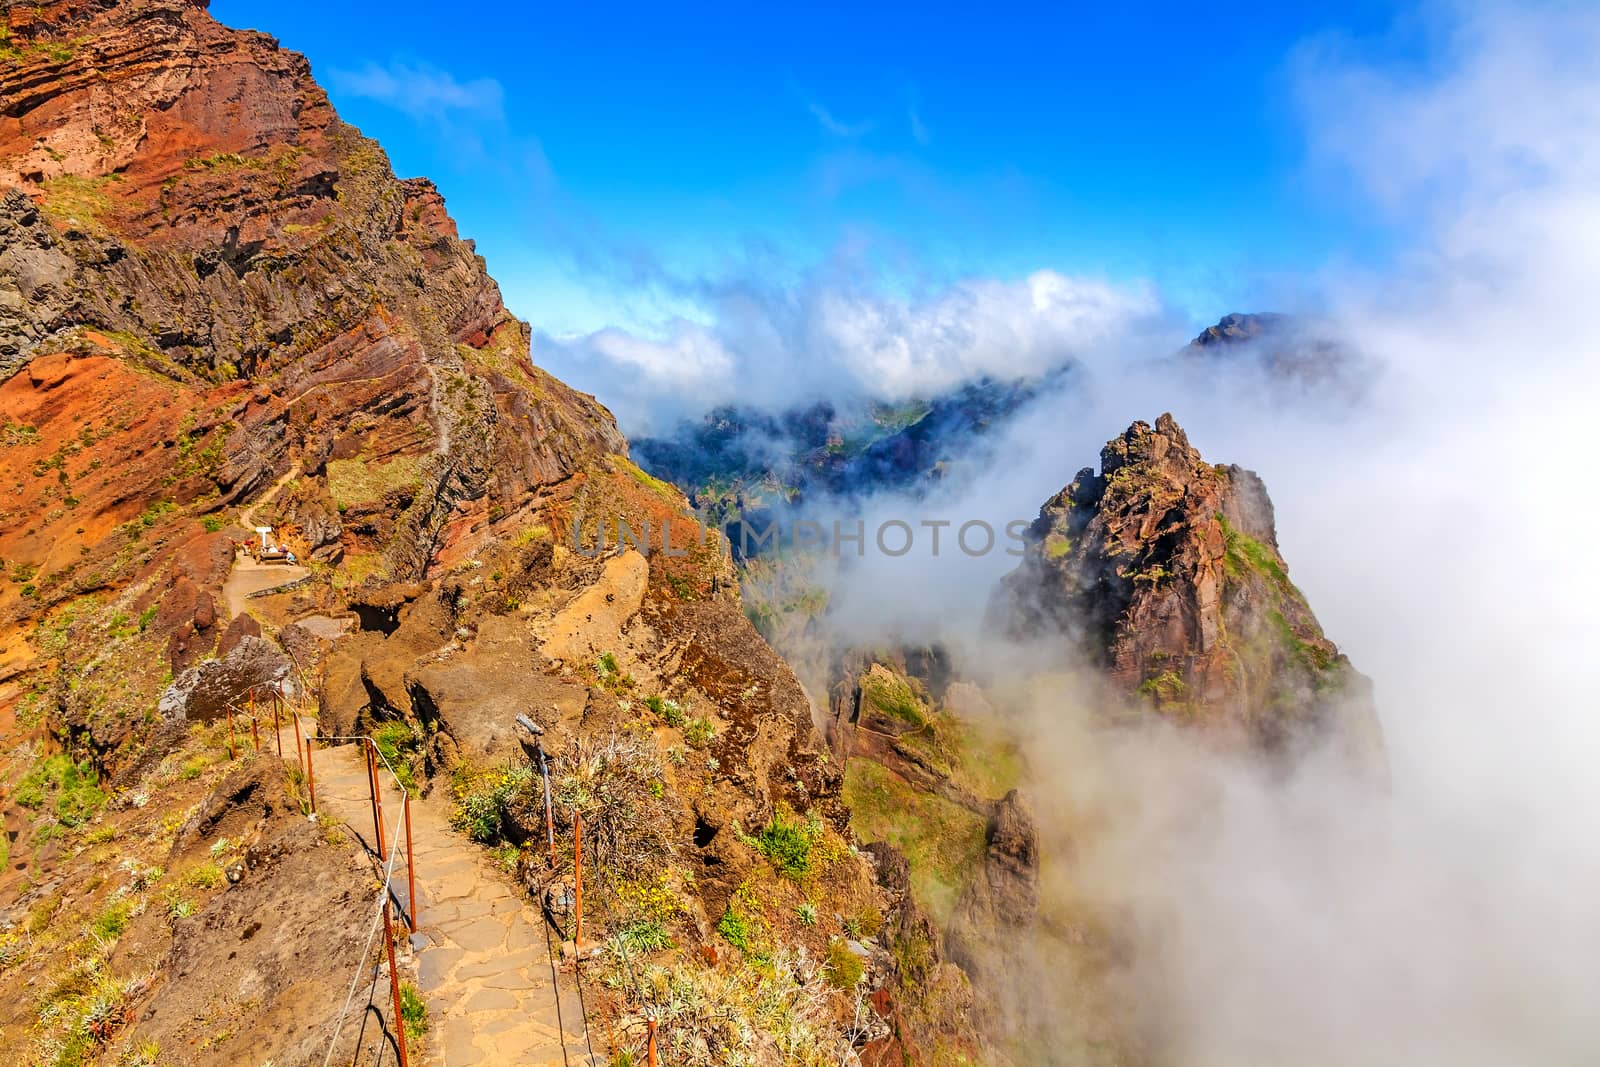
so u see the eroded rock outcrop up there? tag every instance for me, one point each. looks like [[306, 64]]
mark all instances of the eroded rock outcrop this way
[[1164, 571], [995, 918], [200, 261]]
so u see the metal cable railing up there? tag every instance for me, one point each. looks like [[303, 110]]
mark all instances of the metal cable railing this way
[[374, 759], [386, 855], [379, 920]]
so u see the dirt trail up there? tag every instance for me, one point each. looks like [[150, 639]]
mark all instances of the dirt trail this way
[[249, 576], [484, 965]]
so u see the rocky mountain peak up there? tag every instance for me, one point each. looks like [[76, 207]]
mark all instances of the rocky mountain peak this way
[[1236, 327], [1166, 445], [1164, 570]]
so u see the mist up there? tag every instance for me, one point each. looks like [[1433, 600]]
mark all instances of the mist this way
[[843, 333], [1439, 526], [1439, 521]]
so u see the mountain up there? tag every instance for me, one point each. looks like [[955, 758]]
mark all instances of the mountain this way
[[1294, 355], [733, 454], [1236, 328], [1163, 571], [222, 313], [221, 310]]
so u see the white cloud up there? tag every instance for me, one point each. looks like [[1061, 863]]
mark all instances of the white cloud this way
[[690, 357], [1442, 530], [1442, 533], [422, 91], [830, 123], [836, 126], [842, 338]]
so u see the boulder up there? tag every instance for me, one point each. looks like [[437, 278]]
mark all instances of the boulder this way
[[187, 614], [204, 692], [475, 696], [241, 626]]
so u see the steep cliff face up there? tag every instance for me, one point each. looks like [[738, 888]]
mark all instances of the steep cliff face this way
[[215, 293], [220, 309], [1164, 570], [216, 265]]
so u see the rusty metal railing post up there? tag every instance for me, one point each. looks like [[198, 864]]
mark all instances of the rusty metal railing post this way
[[411, 867], [277, 726], [377, 799], [577, 881], [298, 753], [311, 777], [650, 1049], [372, 781], [394, 981], [255, 734]]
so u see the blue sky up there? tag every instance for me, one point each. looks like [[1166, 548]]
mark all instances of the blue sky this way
[[588, 147]]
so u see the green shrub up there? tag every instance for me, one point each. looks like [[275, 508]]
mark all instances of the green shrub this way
[[413, 1011], [734, 930], [482, 800], [642, 936], [842, 967], [1165, 688], [205, 876], [787, 841], [111, 922], [401, 746], [699, 732], [212, 523], [478, 815], [669, 710], [74, 786], [611, 673], [152, 514]]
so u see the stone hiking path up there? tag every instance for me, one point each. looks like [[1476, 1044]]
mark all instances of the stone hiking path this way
[[249, 576], [484, 968]]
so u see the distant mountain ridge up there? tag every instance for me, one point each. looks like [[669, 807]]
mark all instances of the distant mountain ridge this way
[[733, 457]]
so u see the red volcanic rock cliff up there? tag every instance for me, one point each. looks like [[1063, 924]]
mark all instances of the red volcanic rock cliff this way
[[220, 309], [229, 284]]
